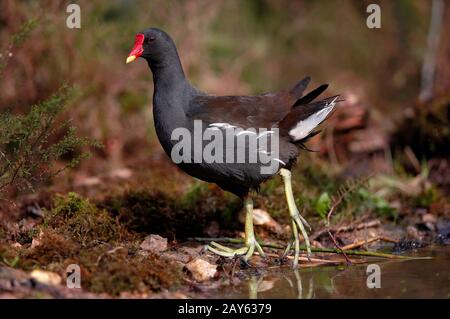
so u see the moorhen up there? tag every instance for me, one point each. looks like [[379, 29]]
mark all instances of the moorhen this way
[[286, 118]]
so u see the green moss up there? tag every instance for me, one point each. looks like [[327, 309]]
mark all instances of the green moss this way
[[78, 232], [27, 237], [9, 255], [82, 221], [148, 211], [117, 273], [53, 249], [194, 194], [2, 233]]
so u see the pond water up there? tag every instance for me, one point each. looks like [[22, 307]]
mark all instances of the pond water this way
[[424, 278]]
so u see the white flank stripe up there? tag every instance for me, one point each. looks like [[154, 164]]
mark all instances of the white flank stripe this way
[[265, 133], [279, 161], [303, 128], [222, 125], [245, 132]]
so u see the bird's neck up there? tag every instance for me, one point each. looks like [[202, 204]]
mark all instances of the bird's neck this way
[[168, 74]]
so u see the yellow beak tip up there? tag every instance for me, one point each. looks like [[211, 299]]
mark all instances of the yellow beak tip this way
[[130, 59]]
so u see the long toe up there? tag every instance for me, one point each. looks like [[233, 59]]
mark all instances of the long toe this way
[[246, 252]]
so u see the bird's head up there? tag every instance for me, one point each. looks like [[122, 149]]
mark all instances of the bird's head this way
[[151, 44]]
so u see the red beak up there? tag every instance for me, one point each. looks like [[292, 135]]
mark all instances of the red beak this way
[[137, 49]]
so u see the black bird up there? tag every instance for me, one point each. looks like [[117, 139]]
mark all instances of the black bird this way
[[273, 127]]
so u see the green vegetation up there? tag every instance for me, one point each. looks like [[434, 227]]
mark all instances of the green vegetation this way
[[322, 205], [31, 144]]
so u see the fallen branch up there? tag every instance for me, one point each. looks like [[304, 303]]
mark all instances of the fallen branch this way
[[347, 228], [368, 241], [313, 262]]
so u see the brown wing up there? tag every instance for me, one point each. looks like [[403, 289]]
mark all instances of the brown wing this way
[[261, 111]]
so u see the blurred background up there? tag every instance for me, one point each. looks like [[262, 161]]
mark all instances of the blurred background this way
[[242, 47]]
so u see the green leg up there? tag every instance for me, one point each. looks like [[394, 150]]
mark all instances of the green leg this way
[[299, 284], [250, 242], [298, 222]]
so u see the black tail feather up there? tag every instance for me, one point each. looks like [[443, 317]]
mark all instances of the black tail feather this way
[[300, 87], [311, 95]]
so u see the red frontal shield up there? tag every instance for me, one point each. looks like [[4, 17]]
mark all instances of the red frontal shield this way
[[137, 49]]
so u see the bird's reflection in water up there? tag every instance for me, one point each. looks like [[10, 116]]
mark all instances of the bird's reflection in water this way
[[417, 278], [253, 284], [298, 285], [257, 284]]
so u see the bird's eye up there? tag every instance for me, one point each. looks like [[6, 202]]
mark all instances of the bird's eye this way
[[149, 39]]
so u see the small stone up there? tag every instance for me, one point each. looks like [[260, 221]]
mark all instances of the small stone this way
[[154, 243], [46, 277], [121, 173], [201, 270], [429, 218], [413, 233], [87, 181], [16, 245], [263, 218], [37, 240]]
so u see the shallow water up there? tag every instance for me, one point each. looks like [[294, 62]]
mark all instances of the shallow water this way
[[429, 278]]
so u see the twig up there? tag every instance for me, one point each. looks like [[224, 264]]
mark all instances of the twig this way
[[333, 239], [313, 260], [413, 159], [368, 241], [357, 225], [342, 192]]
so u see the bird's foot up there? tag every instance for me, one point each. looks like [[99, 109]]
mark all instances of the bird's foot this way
[[298, 225], [247, 251], [298, 222], [250, 241]]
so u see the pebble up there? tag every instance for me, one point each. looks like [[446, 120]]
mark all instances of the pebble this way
[[429, 218], [263, 218], [201, 270], [46, 277], [154, 243]]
